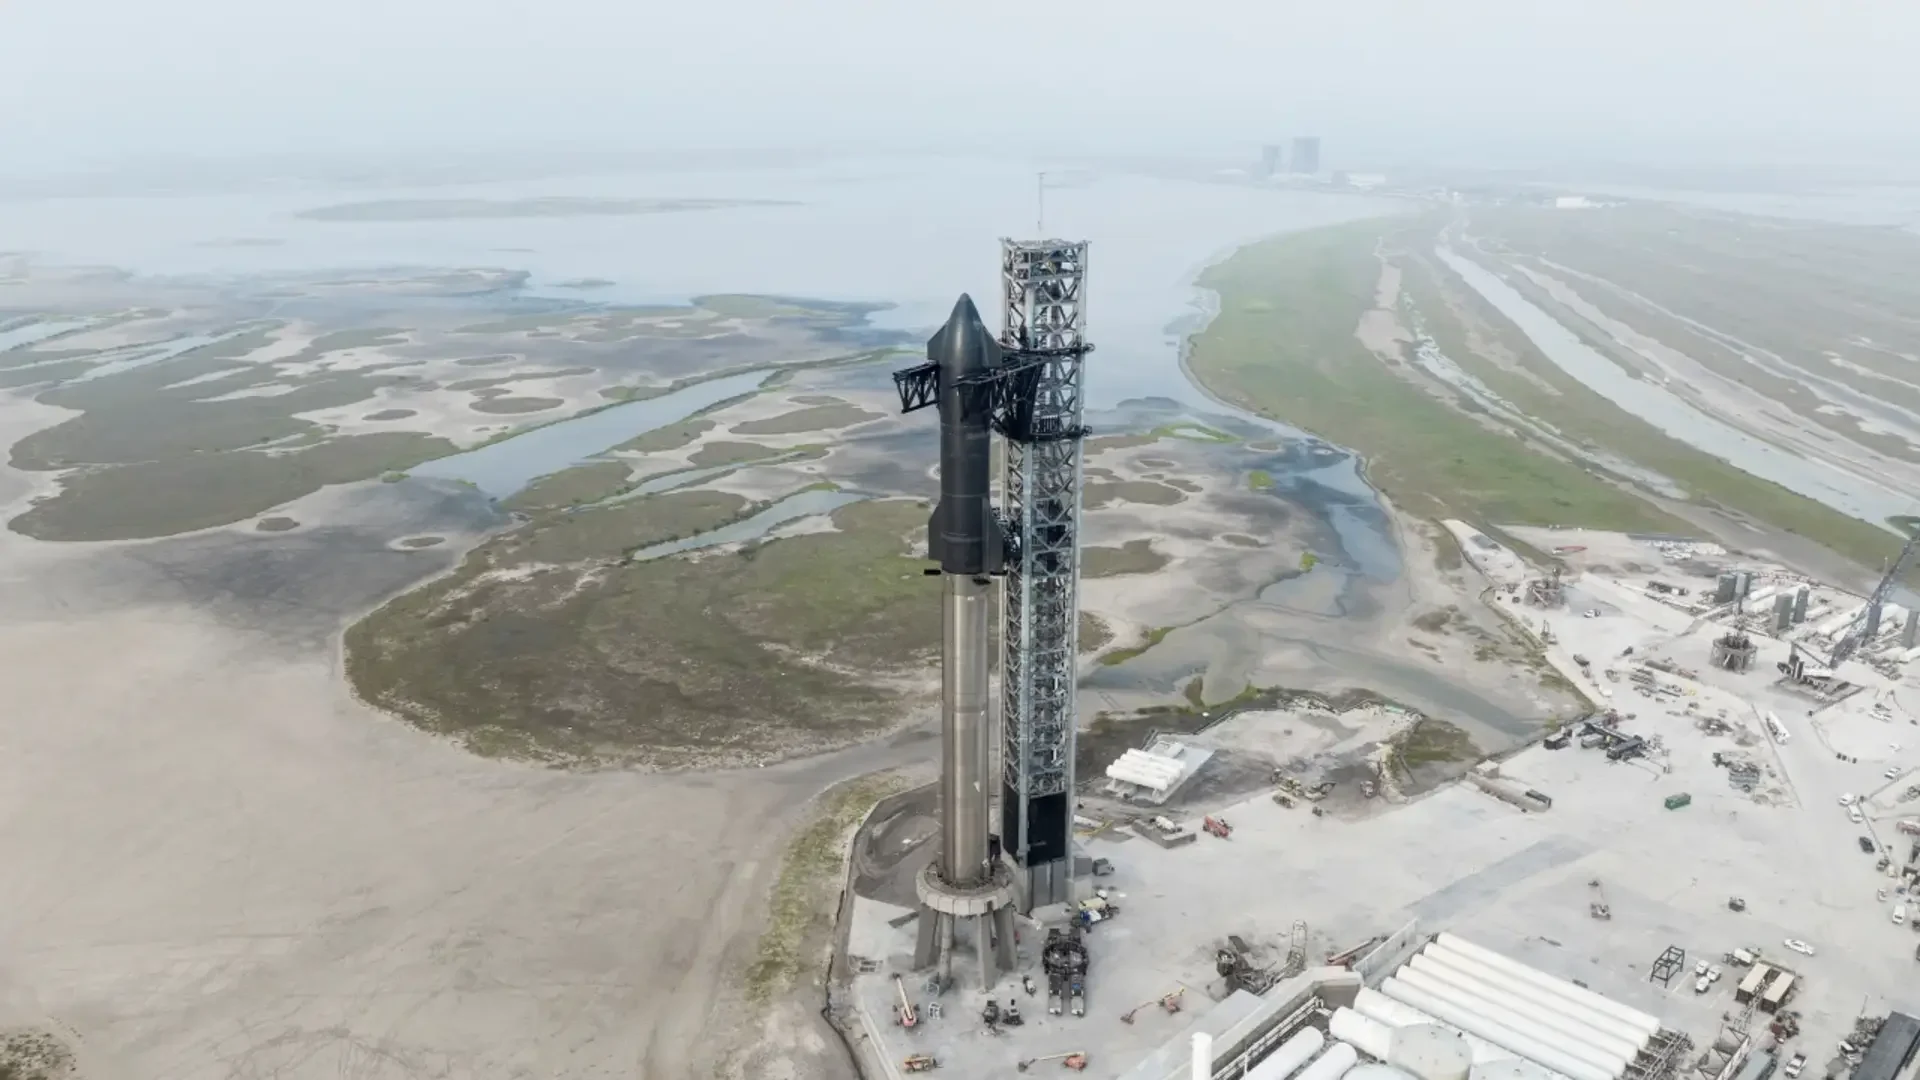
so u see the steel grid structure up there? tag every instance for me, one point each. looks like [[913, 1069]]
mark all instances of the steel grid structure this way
[[1044, 339]]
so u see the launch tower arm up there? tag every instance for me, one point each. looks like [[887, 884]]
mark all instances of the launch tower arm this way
[[1855, 634]]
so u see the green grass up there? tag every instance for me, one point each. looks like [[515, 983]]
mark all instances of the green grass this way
[[1590, 418], [573, 486], [1120, 656], [798, 909], [1283, 346], [1260, 480]]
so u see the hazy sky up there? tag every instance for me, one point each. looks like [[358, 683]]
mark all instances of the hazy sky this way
[[1758, 80]]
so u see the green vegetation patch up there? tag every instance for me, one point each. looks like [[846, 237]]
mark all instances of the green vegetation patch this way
[[1132, 557], [1098, 495], [1094, 633], [666, 439], [1193, 432], [810, 418], [389, 414], [800, 910], [200, 490], [686, 660], [572, 486], [1260, 480], [1283, 346], [730, 453], [1120, 656], [516, 405]]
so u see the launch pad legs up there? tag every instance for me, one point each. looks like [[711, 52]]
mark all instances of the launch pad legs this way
[[950, 914]]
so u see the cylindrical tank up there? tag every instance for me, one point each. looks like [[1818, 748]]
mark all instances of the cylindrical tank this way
[[1287, 1059], [1455, 943], [1333, 1064], [1369, 1036], [1369, 1071], [1510, 1069], [1202, 1056], [1627, 1038], [1611, 1064], [1375, 1005], [1431, 1052], [1473, 1024], [1602, 1032], [1752, 602], [1832, 626]]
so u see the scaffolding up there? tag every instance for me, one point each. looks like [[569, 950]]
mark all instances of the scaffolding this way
[[1043, 339]]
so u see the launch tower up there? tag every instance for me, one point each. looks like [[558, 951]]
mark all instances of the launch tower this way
[[1044, 348]]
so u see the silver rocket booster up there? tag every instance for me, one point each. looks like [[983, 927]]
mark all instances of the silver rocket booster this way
[[964, 538]]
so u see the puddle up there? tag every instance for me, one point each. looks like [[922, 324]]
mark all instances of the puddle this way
[[500, 469], [792, 508]]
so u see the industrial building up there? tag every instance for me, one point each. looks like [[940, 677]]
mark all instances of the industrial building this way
[[1452, 1010], [1892, 1049], [1271, 159]]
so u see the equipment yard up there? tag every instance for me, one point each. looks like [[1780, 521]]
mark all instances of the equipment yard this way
[[1672, 832]]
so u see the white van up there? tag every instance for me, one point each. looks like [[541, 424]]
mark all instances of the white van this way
[[1899, 914]]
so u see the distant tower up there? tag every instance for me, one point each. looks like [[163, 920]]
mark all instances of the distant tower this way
[[1306, 156], [1800, 605], [1270, 160], [1782, 612]]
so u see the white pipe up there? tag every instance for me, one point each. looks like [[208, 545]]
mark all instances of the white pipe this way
[[1292, 1054], [1547, 1011], [1369, 1036], [1466, 1020], [1533, 1031], [1375, 1005], [1333, 1064], [1202, 1056], [1565, 989]]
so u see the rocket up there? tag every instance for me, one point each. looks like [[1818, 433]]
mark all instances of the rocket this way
[[962, 535]]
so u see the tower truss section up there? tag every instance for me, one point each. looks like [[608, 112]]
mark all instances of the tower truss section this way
[[1039, 412]]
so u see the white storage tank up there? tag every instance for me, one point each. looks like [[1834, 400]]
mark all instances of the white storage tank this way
[[1473, 1024], [1333, 1064], [1370, 1071], [1377, 1006], [1510, 1069], [1369, 1036], [1605, 1033], [1455, 943], [1610, 1064], [1287, 1059], [1431, 1052]]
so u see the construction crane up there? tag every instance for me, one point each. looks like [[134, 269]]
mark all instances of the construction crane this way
[[1073, 1059], [1168, 1001], [1855, 634], [905, 1013]]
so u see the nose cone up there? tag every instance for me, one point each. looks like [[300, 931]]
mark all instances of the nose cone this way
[[963, 345]]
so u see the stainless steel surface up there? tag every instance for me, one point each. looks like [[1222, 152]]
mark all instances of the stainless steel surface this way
[[965, 728]]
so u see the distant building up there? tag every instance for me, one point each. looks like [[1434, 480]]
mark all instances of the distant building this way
[[1305, 159], [1270, 160], [1573, 202]]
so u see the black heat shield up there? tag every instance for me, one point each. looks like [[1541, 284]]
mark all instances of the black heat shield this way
[[963, 535]]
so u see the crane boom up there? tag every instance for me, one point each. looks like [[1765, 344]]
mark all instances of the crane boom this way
[[1855, 633]]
